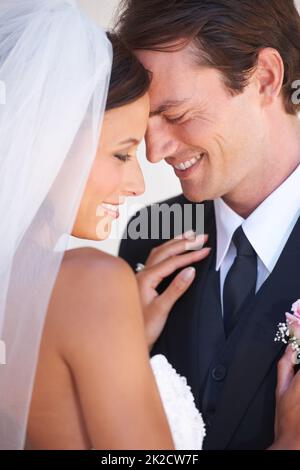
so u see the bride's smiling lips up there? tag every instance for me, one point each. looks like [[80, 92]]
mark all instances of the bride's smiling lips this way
[[111, 209]]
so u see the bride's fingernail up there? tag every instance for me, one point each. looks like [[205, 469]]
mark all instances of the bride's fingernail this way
[[188, 274], [197, 243], [190, 235]]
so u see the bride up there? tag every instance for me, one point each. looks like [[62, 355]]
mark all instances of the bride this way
[[74, 377]]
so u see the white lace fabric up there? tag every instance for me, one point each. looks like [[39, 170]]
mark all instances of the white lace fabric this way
[[185, 421]]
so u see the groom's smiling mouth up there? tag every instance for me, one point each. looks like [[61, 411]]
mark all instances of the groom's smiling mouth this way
[[186, 168]]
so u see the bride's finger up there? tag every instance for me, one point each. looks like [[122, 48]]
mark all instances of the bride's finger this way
[[174, 249], [158, 272], [189, 235], [165, 302]]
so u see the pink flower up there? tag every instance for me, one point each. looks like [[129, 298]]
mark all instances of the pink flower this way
[[289, 332], [294, 324], [296, 309]]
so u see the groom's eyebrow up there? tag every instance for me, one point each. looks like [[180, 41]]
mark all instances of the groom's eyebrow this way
[[167, 105]]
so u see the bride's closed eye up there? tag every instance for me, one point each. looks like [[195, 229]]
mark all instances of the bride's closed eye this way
[[123, 158]]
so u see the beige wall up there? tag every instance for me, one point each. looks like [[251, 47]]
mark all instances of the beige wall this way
[[101, 10]]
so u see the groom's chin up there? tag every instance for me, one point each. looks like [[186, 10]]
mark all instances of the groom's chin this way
[[193, 194], [200, 193]]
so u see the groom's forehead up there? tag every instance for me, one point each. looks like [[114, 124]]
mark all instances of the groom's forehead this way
[[166, 64], [170, 84], [179, 82], [172, 72]]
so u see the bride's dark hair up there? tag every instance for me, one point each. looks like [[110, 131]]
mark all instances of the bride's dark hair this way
[[129, 79]]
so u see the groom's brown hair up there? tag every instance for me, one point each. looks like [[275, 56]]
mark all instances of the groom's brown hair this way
[[228, 34]]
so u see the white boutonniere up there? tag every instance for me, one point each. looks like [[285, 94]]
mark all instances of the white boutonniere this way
[[289, 332]]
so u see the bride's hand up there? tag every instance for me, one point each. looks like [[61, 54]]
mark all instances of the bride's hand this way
[[162, 262], [287, 426]]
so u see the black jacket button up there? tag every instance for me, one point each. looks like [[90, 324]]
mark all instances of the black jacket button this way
[[219, 373]]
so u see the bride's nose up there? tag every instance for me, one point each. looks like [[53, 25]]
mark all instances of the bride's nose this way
[[134, 183]]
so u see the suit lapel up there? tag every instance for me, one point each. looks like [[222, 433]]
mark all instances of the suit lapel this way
[[208, 320], [181, 336], [256, 351]]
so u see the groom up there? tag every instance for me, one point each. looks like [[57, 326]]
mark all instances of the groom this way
[[224, 104]]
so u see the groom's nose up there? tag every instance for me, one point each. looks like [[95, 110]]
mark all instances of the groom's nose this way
[[160, 142]]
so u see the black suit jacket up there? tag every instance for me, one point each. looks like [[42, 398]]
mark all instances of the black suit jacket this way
[[242, 371]]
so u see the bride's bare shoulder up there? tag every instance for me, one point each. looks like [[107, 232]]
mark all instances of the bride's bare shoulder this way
[[94, 269], [95, 300], [89, 276], [90, 258]]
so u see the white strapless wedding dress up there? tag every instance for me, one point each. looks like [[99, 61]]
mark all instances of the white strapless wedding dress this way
[[185, 421]]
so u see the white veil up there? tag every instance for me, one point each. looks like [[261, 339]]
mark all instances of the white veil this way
[[55, 65]]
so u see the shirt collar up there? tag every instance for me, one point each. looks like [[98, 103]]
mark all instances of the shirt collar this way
[[267, 228], [227, 221]]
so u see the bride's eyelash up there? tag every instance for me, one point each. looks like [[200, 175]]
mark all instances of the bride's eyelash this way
[[123, 158]]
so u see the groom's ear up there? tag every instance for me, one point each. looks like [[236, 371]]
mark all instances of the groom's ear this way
[[269, 74]]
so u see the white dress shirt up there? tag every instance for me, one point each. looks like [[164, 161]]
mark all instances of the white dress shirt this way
[[268, 229]]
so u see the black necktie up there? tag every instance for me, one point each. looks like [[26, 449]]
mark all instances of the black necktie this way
[[240, 283]]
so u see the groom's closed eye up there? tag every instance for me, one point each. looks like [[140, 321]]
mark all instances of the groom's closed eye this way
[[168, 106], [175, 120]]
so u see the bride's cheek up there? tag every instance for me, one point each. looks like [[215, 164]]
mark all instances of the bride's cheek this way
[[107, 177]]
